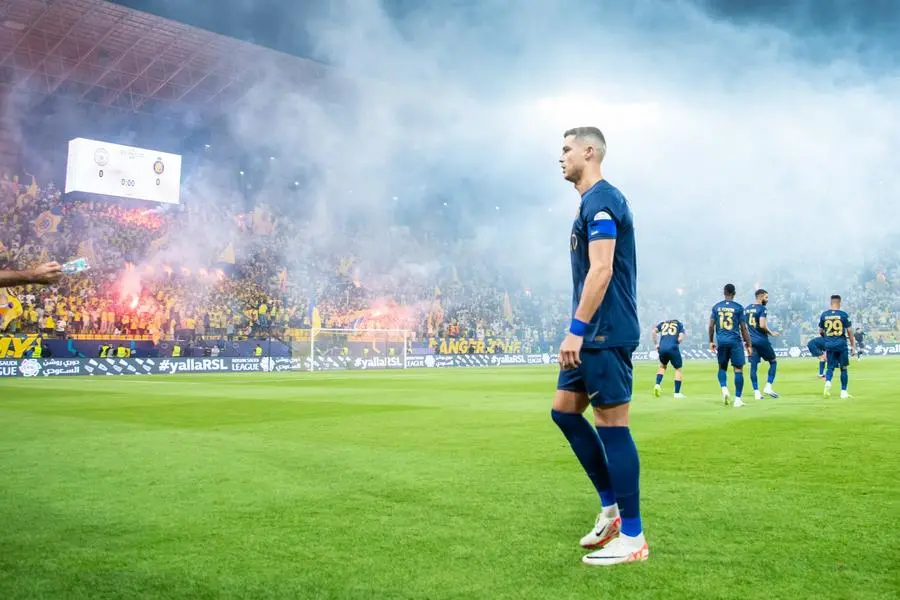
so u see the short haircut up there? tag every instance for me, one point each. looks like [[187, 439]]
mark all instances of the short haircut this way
[[729, 289], [592, 135], [835, 297], [760, 292]]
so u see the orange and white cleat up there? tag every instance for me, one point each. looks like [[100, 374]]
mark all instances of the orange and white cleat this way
[[605, 530], [623, 549]]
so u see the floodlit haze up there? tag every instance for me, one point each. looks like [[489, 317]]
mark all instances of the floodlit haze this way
[[744, 143]]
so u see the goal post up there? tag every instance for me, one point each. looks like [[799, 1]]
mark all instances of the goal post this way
[[335, 349]]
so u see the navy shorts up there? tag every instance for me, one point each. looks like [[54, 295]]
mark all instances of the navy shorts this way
[[837, 359], [815, 349], [762, 351], [604, 374], [730, 353], [671, 355]]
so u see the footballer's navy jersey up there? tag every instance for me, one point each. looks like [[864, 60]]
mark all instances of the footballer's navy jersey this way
[[835, 324], [728, 316], [668, 334], [604, 214], [860, 338], [753, 313]]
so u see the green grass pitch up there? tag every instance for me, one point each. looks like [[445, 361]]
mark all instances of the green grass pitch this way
[[438, 484]]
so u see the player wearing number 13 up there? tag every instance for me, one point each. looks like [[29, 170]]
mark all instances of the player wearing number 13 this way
[[835, 324], [726, 329]]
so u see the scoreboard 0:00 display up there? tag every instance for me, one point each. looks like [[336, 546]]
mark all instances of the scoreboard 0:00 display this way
[[127, 182]]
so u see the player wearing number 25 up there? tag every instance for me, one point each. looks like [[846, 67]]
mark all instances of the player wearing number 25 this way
[[726, 328], [835, 324]]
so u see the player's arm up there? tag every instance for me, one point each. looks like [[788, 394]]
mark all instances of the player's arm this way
[[764, 326], [852, 338], [712, 333], [50, 272], [680, 332], [600, 254], [654, 337], [745, 333]]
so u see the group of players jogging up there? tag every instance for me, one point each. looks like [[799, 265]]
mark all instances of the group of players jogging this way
[[736, 332]]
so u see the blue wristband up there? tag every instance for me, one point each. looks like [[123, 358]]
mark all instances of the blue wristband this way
[[578, 328]]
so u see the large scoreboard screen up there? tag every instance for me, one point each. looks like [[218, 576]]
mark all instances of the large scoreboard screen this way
[[96, 167]]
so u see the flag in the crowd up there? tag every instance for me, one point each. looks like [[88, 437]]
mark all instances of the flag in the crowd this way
[[263, 222], [227, 255], [10, 308], [32, 190], [507, 308], [282, 278], [86, 250], [313, 315], [159, 242], [344, 266], [47, 222], [357, 322]]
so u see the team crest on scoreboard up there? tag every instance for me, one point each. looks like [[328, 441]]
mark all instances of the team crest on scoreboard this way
[[101, 157], [158, 166]]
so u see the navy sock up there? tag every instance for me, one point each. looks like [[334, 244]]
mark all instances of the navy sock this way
[[659, 377], [625, 474], [754, 380], [829, 374], [773, 366], [845, 377], [738, 384], [821, 368], [677, 386], [723, 378], [588, 448]]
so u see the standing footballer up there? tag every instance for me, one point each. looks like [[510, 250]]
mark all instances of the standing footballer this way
[[595, 357]]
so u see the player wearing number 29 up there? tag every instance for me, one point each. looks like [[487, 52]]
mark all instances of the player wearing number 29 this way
[[667, 337], [726, 328], [758, 323], [835, 324], [595, 357]]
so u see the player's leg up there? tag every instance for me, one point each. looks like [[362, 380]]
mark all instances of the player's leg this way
[[677, 364], [767, 353], [611, 391], [822, 362], [832, 361], [660, 372], [737, 361], [723, 355], [845, 374], [754, 379], [569, 404]]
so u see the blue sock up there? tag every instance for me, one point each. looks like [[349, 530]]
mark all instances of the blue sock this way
[[754, 380], [659, 377], [588, 448], [773, 366], [625, 474], [738, 384], [845, 377], [677, 386], [829, 374], [723, 378], [821, 368]]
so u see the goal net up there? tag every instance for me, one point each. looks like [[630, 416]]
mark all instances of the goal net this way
[[336, 349]]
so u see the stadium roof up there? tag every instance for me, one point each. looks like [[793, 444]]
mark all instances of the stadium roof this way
[[114, 56]]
